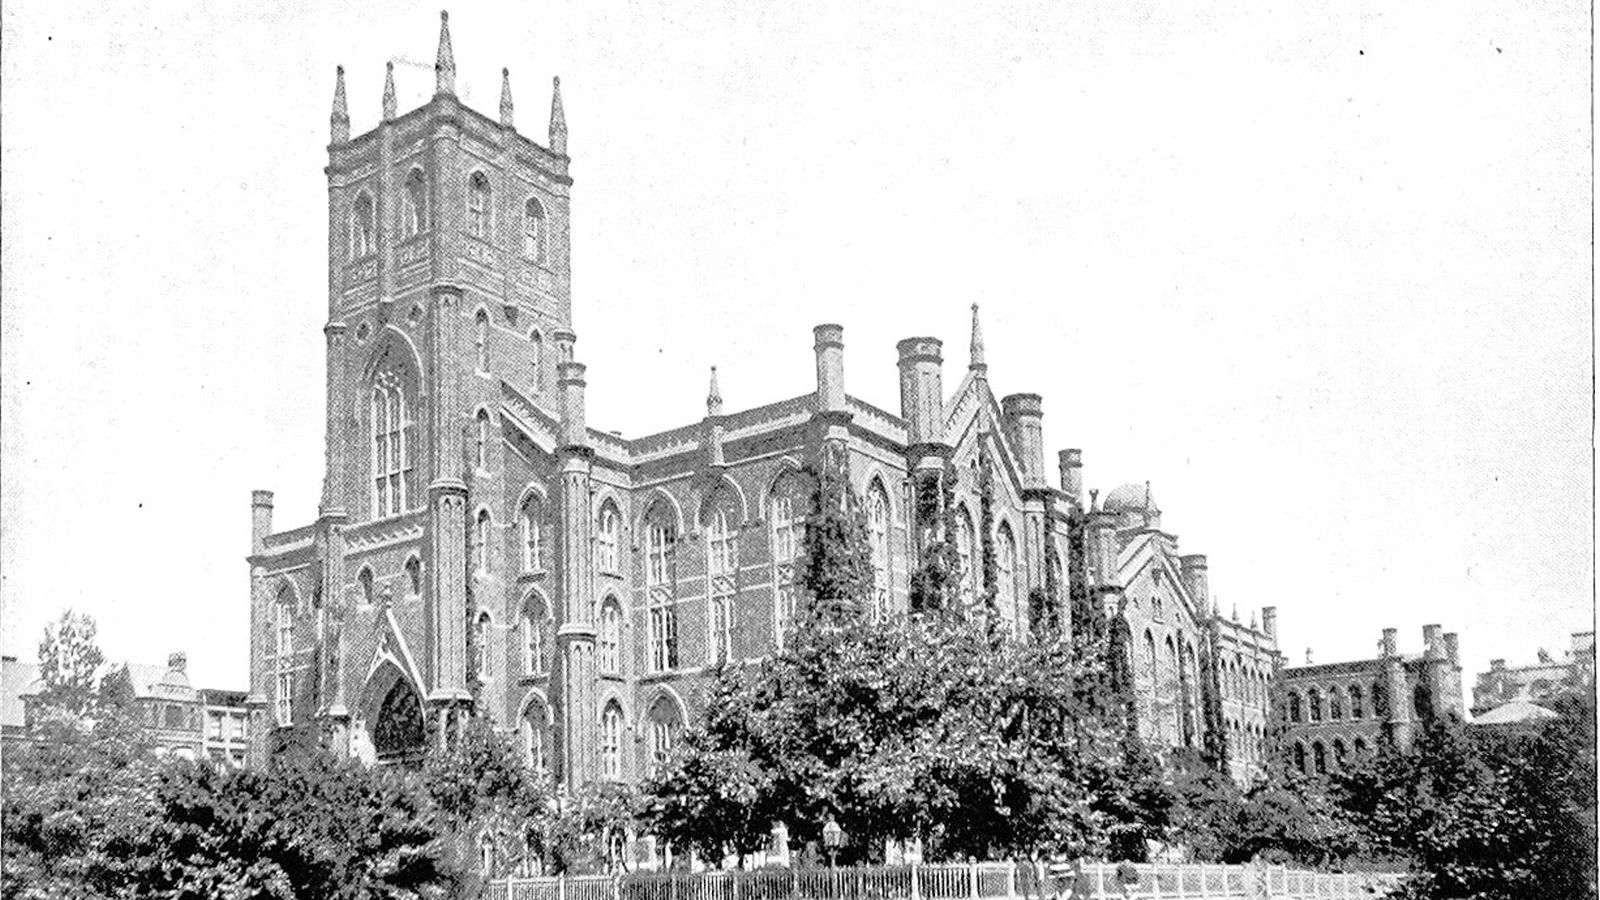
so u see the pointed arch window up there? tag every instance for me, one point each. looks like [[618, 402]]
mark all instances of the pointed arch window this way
[[660, 540], [363, 231], [414, 575], [481, 445], [532, 538], [285, 698], [610, 637], [535, 357], [1319, 757], [478, 206], [1294, 706], [1314, 704], [606, 539], [1335, 704], [483, 658], [480, 542], [665, 725], [721, 574], [965, 548], [535, 728], [533, 231], [1169, 694], [1355, 701], [786, 525], [481, 340], [878, 537], [611, 742], [391, 455], [414, 211], [1300, 757], [364, 582], [1006, 571], [535, 638], [1150, 660]]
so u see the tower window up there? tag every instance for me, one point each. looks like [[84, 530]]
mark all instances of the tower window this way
[[533, 231], [481, 340], [391, 457], [363, 231], [480, 542], [481, 639], [478, 197], [482, 452], [414, 575], [285, 611], [364, 580], [535, 356], [414, 214]]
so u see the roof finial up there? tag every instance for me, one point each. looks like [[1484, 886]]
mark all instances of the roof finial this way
[[444, 64], [558, 121], [340, 119], [388, 92], [505, 99], [714, 398], [977, 364], [1235, 611]]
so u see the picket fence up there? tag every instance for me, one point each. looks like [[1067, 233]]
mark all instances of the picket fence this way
[[961, 881]]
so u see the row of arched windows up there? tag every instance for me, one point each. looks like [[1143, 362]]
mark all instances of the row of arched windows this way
[[1243, 681], [1170, 673], [1321, 757], [1007, 584], [1334, 703], [414, 217]]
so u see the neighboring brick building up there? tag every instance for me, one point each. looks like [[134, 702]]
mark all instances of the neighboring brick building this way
[[478, 545], [169, 708], [1334, 712], [1181, 644], [1539, 682]]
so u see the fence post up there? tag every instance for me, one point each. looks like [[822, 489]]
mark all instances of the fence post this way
[[561, 886], [1011, 880], [916, 890], [972, 873]]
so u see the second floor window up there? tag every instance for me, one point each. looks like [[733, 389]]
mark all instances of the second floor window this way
[[414, 213], [878, 533], [480, 542], [532, 535], [606, 538], [722, 562], [611, 742], [610, 649]]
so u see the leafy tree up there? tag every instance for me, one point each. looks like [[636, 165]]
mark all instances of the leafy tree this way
[[484, 793], [835, 568], [69, 664], [588, 829]]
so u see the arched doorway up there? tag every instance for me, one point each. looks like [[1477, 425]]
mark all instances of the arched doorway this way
[[398, 735]]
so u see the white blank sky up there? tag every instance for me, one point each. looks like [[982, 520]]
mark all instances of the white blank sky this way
[[1318, 271]]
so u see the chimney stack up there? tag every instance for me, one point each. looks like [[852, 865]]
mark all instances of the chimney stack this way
[[260, 520], [1022, 417], [1070, 462], [1269, 621], [829, 347], [1432, 641], [1391, 642], [921, 390], [574, 429], [1452, 648]]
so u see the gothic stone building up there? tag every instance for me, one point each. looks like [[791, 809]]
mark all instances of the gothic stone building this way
[[480, 550], [1334, 712]]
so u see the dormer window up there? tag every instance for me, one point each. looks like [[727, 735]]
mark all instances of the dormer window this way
[[478, 206]]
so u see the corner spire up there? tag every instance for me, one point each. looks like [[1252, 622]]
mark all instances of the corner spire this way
[[977, 364], [506, 109], [444, 64], [714, 398], [558, 120], [340, 119], [389, 106]]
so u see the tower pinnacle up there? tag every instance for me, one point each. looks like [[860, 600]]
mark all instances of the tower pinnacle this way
[[340, 119], [506, 109], [714, 397], [444, 64], [977, 364], [389, 106], [558, 120]]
